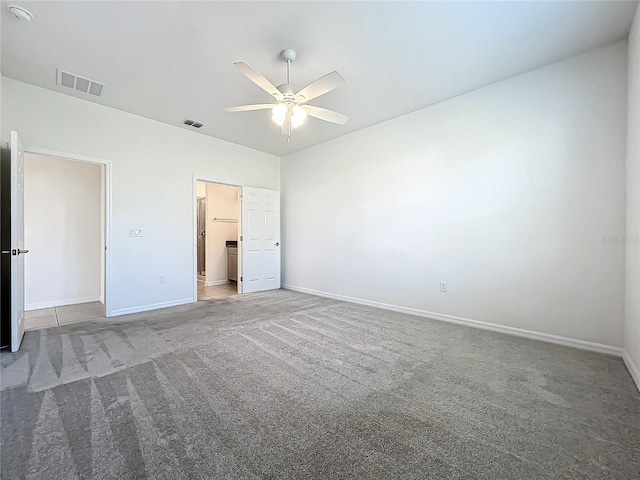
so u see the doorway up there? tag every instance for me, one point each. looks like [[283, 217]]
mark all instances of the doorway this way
[[65, 228], [217, 234]]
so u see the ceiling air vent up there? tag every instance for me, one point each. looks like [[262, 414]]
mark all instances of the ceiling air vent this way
[[80, 84], [192, 123]]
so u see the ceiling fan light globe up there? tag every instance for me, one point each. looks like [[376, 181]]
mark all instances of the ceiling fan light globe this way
[[299, 113], [279, 113], [296, 121], [280, 109], [298, 116]]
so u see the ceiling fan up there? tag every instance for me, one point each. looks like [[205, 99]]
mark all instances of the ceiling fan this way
[[290, 109]]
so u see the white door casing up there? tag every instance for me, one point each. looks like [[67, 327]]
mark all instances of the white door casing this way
[[17, 242], [260, 243]]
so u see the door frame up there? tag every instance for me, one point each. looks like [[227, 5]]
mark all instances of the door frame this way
[[194, 228], [107, 210]]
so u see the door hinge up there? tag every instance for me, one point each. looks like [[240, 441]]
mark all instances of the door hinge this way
[[241, 279], [240, 237]]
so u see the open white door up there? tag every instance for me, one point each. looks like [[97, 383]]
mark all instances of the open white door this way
[[17, 242], [260, 240]]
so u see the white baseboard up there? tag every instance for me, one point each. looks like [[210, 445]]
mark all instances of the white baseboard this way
[[154, 306], [213, 283], [519, 332], [60, 303], [632, 367]]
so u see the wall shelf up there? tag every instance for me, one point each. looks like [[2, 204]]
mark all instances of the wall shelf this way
[[225, 220]]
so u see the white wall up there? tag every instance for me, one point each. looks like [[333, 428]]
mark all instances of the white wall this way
[[62, 206], [152, 184], [632, 296], [505, 193], [222, 202]]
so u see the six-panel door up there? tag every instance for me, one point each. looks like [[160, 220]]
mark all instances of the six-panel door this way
[[261, 239]]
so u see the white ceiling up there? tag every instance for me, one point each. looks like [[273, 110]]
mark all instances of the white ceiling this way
[[171, 60]]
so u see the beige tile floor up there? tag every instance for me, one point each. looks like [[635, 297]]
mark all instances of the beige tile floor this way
[[55, 316], [216, 292]]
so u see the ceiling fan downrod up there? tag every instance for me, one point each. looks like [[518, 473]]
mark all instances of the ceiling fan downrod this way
[[289, 56]]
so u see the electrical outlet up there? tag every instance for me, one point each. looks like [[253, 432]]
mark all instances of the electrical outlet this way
[[443, 286], [163, 279], [136, 232]]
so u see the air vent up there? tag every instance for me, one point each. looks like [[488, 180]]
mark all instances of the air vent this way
[[192, 123], [80, 84]]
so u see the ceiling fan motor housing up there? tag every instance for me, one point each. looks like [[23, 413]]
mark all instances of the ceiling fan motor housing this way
[[288, 92]]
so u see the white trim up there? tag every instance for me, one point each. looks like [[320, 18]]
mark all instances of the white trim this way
[[213, 283], [518, 332], [107, 212], [153, 306], [194, 228], [632, 367], [61, 303], [66, 156]]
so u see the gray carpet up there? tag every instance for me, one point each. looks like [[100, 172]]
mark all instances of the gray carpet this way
[[283, 385]]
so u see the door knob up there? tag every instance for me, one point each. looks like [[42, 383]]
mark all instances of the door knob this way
[[18, 251], [277, 244]]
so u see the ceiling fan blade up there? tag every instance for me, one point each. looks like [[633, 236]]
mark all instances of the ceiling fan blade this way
[[286, 126], [258, 79], [319, 87], [248, 108], [326, 115]]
